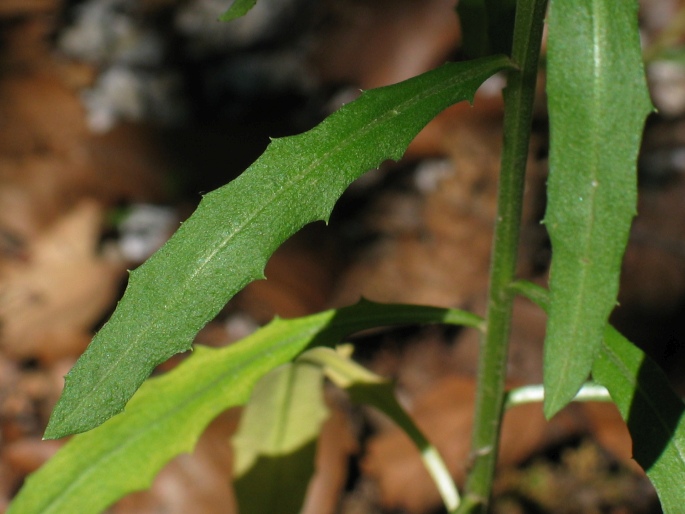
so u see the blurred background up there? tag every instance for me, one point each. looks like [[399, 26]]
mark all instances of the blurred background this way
[[117, 115]]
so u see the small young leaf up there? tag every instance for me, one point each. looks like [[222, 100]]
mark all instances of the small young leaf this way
[[369, 388], [225, 244], [168, 414], [238, 8], [598, 103], [275, 445]]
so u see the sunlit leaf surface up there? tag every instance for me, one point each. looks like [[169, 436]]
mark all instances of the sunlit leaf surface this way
[[598, 102], [225, 244]]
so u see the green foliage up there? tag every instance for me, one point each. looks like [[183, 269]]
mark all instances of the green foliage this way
[[168, 413], [276, 443], [238, 8], [655, 415], [598, 102], [225, 244], [368, 388]]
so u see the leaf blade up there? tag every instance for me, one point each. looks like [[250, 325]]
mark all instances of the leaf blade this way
[[655, 415], [642, 394], [168, 414], [593, 51], [275, 445], [225, 244]]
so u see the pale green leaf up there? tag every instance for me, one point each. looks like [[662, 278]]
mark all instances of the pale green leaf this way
[[275, 445], [168, 413], [598, 102], [227, 241]]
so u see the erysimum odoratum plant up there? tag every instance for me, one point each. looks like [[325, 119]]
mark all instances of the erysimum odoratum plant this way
[[597, 100]]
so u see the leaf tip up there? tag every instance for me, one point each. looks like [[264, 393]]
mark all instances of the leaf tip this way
[[550, 409], [555, 402], [54, 431]]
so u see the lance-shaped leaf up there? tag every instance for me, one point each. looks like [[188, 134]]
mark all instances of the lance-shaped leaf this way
[[654, 413], [275, 446], [225, 244], [598, 102], [168, 414]]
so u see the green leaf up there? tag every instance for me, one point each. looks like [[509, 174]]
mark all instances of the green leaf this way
[[275, 445], [168, 414], [598, 102], [227, 241], [654, 413], [369, 388], [238, 8]]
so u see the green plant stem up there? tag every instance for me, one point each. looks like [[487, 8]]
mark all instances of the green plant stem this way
[[590, 392], [518, 98]]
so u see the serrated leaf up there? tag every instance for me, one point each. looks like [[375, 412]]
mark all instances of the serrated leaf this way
[[225, 244], [168, 414], [366, 387], [654, 413], [238, 8], [598, 102], [275, 446]]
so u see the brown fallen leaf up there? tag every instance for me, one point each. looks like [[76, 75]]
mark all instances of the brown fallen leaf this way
[[336, 444], [198, 482], [28, 454], [50, 302], [372, 44]]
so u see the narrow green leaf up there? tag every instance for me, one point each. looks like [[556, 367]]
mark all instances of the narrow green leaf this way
[[598, 102], [227, 241], [654, 413], [369, 388], [275, 445], [238, 8], [168, 414]]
